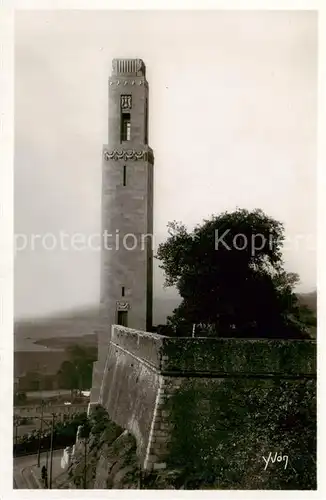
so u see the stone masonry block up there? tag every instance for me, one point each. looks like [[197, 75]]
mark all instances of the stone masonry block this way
[[161, 465], [157, 426], [160, 439], [161, 433], [164, 425]]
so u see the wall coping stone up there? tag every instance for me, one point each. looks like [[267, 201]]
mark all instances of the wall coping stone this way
[[213, 357]]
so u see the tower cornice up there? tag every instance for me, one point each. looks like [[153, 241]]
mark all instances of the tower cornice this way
[[145, 154], [126, 80], [128, 67]]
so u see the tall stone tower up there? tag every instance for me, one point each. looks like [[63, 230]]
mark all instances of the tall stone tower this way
[[127, 209]]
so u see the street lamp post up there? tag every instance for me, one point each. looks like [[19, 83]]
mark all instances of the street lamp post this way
[[40, 435], [16, 434], [51, 447], [85, 464], [51, 451], [84, 434]]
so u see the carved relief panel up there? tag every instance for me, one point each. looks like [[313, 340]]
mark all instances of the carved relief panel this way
[[125, 102]]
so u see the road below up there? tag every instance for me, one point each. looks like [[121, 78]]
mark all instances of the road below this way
[[23, 474]]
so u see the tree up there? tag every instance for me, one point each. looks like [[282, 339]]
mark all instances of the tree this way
[[76, 373], [246, 420], [85, 430], [20, 398], [67, 376], [83, 359], [31, 381], [229, 273]]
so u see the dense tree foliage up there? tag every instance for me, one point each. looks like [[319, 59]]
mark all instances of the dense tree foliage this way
[[76, 373], [230, 274], [64, 435], [261, 436], [20, 398]]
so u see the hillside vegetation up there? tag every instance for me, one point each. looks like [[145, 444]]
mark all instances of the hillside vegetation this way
[[246, 425]]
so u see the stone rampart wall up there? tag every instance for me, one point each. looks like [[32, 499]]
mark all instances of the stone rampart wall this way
[[174, 394]]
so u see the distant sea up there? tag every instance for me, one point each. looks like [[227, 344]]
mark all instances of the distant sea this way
[[27, 345]]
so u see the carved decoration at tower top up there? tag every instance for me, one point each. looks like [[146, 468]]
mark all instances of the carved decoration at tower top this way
[[130, 154], [128, 67], [125, 101], [128, 82], [122, 305]]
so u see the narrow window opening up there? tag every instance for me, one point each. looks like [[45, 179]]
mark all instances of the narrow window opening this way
[[122, 318], [123, 291], [125, 127], [124, 175]]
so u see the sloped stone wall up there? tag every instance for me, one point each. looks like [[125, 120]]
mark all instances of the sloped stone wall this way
[[131, 382]]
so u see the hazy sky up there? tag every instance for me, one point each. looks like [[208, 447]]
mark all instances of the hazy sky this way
[[232, 123]]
